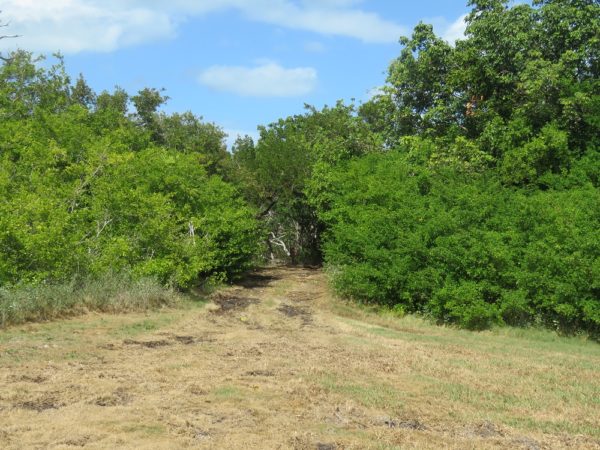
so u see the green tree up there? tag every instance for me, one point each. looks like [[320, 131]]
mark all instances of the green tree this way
[[83, 94], [85, 190], [187, 133], [519, 72], [286, 174]]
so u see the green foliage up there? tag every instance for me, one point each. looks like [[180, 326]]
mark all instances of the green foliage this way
[[546, 152], [485, 211], [286, 174], [166, 218], [523, 87], [87, 190], [187, 134], [462, 248]]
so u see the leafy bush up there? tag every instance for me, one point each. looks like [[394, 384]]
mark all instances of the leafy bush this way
[[465, 250], [87, 189], [169, 220]]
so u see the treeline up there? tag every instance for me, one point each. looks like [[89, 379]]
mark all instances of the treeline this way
[[101, 185], [466, 190]]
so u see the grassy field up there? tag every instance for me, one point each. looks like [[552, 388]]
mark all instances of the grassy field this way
[[278, 363]]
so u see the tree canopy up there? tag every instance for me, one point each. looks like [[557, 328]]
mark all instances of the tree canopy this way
[[89, 187]]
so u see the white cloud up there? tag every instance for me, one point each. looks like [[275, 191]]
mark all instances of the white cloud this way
[[328, 19], [73, 26], [456, 30], [266, 80]]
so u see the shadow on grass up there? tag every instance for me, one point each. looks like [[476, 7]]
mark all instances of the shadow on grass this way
[[257, 280]]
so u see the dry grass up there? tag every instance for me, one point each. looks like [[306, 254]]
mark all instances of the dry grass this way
[[278, 363]]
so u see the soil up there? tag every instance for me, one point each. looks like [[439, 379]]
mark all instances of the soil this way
[[295, 311], [147, 344], [229, 302]]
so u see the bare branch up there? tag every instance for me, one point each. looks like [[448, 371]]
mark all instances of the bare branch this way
[[7, 36], [84, 184], [101, 226], [278, 241], [192, 232]]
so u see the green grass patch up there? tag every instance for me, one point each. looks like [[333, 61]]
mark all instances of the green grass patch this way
[[499, 341], [139, 327], [228, 392], [144, 326], [148, 430], [554, 426], [370, 394]]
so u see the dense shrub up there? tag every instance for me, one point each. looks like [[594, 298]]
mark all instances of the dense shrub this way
[[464, 250], [87, 189], [487, 208]]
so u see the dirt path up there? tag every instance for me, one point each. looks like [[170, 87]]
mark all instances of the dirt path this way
[[272, 366]]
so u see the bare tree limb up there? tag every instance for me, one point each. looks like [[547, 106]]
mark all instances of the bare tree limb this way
[[7, 36], [81, 188], [101, 226], [278, 241], [192, 232]]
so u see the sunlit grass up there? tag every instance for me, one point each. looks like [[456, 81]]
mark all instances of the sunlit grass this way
[[527, 378]]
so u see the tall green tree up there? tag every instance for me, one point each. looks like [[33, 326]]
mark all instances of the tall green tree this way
[[522, 87]]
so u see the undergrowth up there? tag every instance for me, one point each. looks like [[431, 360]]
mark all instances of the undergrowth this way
[[114, 294]]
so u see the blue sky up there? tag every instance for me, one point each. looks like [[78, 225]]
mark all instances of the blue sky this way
[[236, 63]]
